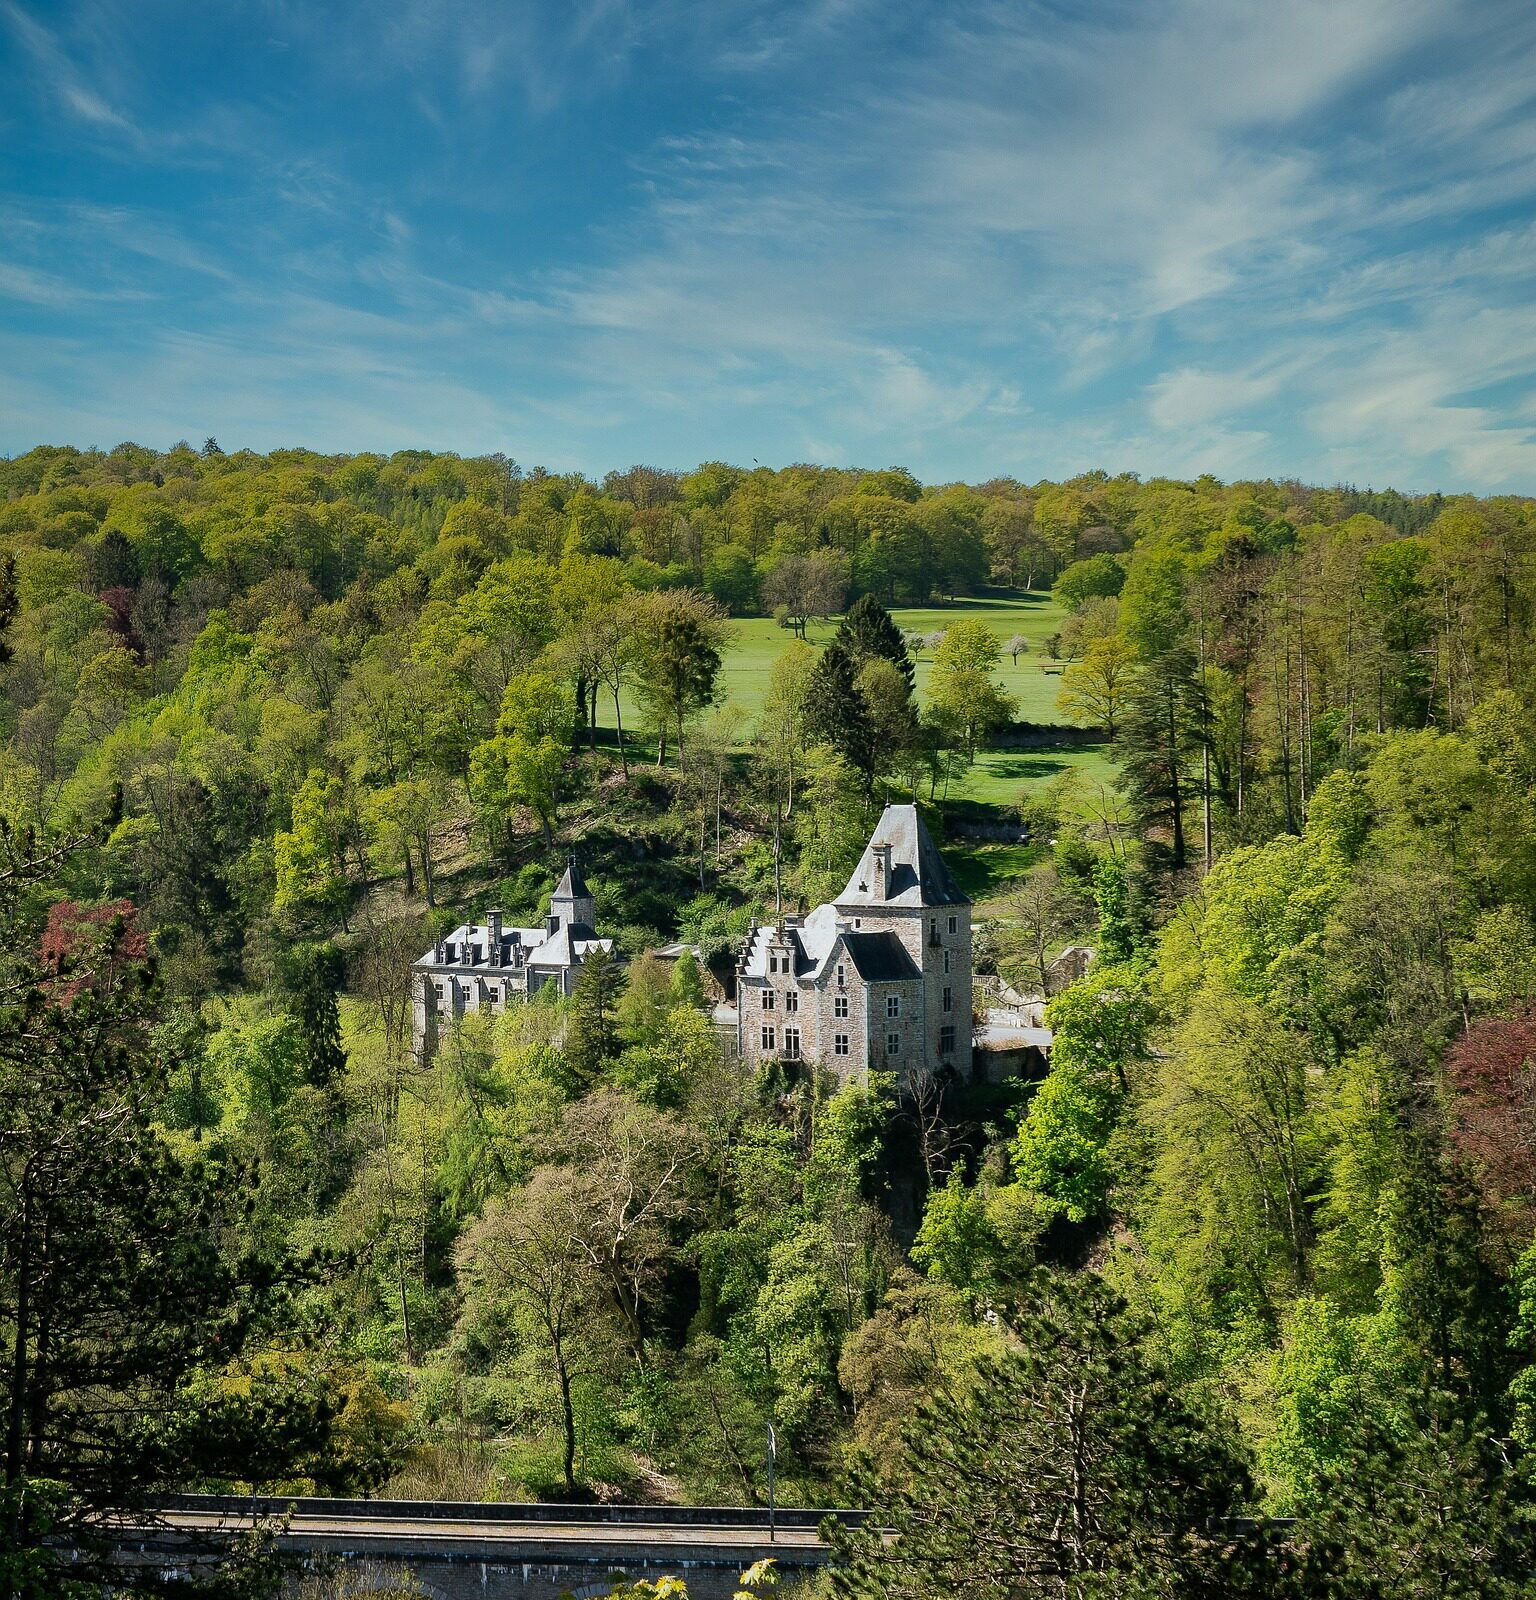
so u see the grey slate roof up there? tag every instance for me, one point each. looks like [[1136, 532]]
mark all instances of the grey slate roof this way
[[467, 947], [918, 874], [880, 957], [572, 886]]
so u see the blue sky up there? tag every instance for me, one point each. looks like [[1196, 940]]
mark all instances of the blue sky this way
[[1248, 237]]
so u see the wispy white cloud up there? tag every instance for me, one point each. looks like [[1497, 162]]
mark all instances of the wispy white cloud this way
[[62, 76], [1200, 235]]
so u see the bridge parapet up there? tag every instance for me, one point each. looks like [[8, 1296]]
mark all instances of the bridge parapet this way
[[503, 1552]]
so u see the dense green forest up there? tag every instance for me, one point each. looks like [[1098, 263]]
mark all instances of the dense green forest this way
[[270, 723]]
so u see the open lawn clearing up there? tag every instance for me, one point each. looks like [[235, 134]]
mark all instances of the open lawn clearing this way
[[757, 642], [998, 777]]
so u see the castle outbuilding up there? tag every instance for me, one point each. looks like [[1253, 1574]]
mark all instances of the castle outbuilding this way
[[878, 979], [487, 966]]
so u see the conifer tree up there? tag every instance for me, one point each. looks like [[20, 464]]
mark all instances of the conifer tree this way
[[314, 973], [591, 1038], [867, 633], [835, 712], [1069, 1468], [1159, 745], [1419, 1507]]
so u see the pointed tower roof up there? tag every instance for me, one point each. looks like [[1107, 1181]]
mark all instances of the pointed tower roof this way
[[901, 866], [572, 886]]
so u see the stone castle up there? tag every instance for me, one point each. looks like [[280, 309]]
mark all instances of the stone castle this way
[[485, 966], [879, 980]]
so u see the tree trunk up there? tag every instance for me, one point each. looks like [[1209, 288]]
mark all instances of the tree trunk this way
[[405, 1304], [618, 722], [568, 1419], [1175, 788], [426, 864], [1205, 749], [15, 1430], [38, 1406]]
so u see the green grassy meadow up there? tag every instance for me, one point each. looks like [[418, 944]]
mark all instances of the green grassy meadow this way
[[760, 641], [998, 776]]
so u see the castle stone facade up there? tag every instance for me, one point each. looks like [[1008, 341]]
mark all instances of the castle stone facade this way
[[487, 966], [880, 979]]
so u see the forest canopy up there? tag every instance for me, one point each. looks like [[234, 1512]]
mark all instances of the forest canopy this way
[[269, 724]]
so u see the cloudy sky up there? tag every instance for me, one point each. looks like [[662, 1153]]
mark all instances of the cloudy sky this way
[[1247, 237]]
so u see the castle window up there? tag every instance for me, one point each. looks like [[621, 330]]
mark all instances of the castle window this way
[[893, 1044], [839, 1044], [946, 961], [839, 972], [933, 930], [954, 924], [792, 1043], [949, 999], [768, 1037], [947, 1039], [893, 1005], [839, 1005], [768, 1000], [858, 922], [493, 992], [792, 1000]]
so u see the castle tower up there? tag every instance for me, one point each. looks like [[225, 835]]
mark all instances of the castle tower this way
[[902, 886], [572, 904]]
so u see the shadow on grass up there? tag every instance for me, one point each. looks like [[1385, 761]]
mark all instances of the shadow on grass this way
[[1042, 763], [983, 870]]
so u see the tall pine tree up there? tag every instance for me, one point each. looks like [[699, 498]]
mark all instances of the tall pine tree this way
[[867, 633], [591, 1035], [835, 712], [1160, 738], [1068, 1468]]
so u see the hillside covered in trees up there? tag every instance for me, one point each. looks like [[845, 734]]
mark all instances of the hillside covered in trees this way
[[268, 724]]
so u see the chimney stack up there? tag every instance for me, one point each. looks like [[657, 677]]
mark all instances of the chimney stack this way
[[493, 936], [882, 855]]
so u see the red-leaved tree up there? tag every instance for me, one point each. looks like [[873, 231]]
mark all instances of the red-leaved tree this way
[[1491, 1074], [83, 945]]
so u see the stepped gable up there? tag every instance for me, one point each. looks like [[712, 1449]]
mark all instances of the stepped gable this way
[[902, 848]]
